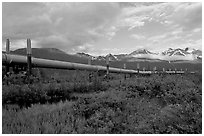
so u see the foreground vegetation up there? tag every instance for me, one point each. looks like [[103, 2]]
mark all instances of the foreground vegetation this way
[[154, 104]]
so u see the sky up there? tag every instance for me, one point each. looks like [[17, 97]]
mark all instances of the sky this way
[[102, 28]]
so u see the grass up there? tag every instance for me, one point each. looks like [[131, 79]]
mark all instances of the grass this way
[[155, 104]]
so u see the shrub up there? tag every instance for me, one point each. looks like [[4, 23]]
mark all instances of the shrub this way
[[157, 104]]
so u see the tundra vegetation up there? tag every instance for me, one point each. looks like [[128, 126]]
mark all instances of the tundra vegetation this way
[[164, 104]]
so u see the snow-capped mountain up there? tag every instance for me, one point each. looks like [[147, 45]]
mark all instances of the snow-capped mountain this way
[[141, 51], [172, 52], [112, 57], [121, 56], [197, 53], [181, 54], [85, 55], [144, 54], [101, 58], [166, 52]]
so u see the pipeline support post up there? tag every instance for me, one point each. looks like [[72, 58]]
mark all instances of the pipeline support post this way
[[29, 61], [124, 66], [7, 51], [155, 69], [89, 73], [138, 68], [89, 60], [107, 66], [163, 70]]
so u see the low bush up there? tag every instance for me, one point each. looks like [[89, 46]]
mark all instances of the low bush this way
[[155, 104], [27, 94]]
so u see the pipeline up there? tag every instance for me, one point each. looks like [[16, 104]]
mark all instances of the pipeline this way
[[11, 59]]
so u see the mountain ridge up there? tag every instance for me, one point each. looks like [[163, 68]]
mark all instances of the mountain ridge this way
[[131, 62], [167, 55], [137, 55]]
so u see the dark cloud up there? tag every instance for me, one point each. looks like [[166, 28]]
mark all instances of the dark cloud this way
[[22, 20], [83, 26], [60, 25]]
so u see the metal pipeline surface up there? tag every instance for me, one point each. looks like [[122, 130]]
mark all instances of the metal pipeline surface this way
[[9, 59]]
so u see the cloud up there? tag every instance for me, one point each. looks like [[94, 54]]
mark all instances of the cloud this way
[[86, 47], [130, 19], [138, 37], [197, 30], [63, 25], [158, 37], [132, 22], [187, 15], [22, 20], [196, 44], [144, 12], [178, 23], [78, 27]]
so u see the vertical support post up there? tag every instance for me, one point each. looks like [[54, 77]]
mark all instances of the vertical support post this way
[[7, 51], [29, 52], [155, 69], [7, 46], [186, 70], [107, 65], [89, 61], [124, 66], [138, 68], [175, 70], [89, 73], [163, 70]]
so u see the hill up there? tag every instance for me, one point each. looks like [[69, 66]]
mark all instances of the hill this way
[[53, 54]]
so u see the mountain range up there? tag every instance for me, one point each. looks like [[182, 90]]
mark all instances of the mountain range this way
[[145, 59], [187, 54], [170, 54]]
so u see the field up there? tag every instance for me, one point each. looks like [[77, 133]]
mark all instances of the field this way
[[76, 104]]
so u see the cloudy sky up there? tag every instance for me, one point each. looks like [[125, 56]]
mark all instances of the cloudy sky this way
[[101, 28]]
